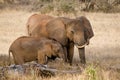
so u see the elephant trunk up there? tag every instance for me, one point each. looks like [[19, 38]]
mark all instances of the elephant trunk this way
[[82, 55]]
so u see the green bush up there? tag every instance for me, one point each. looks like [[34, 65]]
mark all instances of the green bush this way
[[91, 72]]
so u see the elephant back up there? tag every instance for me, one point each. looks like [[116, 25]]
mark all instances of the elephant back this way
[[37, 20]]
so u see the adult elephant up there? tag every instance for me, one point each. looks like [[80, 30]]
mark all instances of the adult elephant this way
[[68, 32]]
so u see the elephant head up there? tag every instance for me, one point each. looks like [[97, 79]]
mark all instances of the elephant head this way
[[58, 49], [75, 32], [55, 50], [79, 31]]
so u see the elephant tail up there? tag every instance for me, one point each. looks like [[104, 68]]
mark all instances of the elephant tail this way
[[10, 51], [27, 27]]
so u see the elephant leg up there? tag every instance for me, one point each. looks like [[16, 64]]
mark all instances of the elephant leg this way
[[82, 55], [70, 53], [65, 54], [41, 57]]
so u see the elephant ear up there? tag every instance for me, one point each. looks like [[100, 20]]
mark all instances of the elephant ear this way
[[56, 30], [87, 28], [55, 46]]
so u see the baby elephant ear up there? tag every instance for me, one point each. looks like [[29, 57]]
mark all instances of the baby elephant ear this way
[[87, 28], [55, 47]]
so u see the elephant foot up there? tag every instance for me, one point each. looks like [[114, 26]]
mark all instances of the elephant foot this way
[[83, 61], [70, 63]]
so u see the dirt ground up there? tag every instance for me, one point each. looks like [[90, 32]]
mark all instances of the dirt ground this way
[[104, 46]]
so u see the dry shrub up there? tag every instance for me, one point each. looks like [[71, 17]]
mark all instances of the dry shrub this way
[[62, 6], [44, 6], [66, 7], [106, 6]]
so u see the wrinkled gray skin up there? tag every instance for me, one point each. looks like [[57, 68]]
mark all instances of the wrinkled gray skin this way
[[69, 32]]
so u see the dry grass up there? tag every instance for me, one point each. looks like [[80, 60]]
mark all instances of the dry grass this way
[[104, 48]]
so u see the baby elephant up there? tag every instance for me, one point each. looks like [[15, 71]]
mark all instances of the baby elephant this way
[[26, 49]]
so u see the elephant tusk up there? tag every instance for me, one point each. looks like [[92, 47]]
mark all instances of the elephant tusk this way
[[81, 46]]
